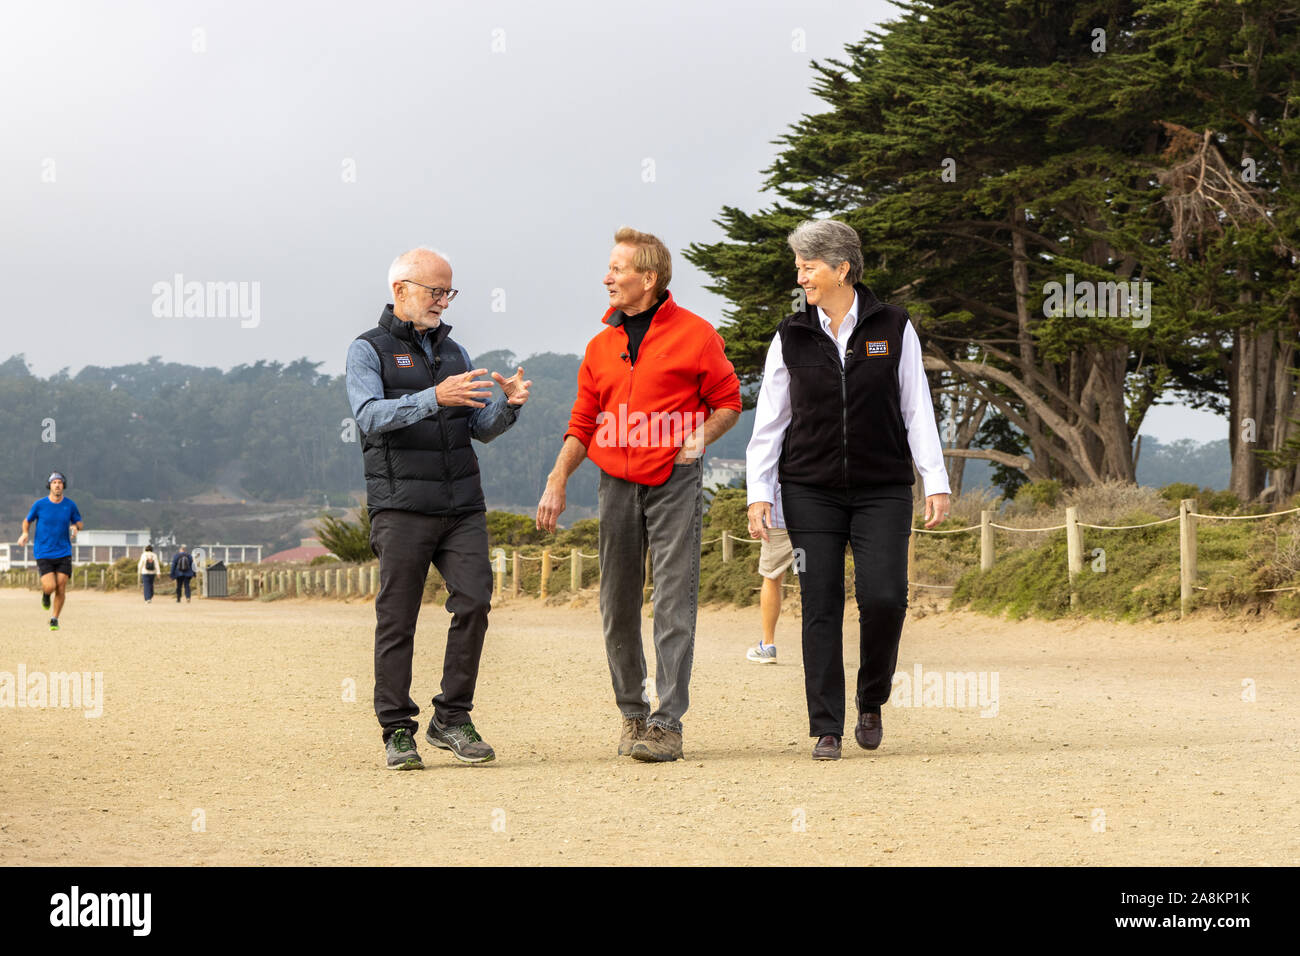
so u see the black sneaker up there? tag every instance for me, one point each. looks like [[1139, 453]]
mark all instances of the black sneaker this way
[[54, 624], [401, 751], [463, 741], [45, 600]]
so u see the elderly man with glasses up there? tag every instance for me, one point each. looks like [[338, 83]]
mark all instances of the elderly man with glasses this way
[[417, 403]]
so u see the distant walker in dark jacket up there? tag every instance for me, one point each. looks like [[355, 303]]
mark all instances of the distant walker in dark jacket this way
[[182, 572]]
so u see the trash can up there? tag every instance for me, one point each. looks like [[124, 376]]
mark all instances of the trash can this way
[[214, 580]]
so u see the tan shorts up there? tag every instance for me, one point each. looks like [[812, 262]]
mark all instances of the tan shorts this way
[[775, 555]]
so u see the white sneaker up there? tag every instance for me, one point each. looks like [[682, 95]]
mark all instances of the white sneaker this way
[[762, 653]]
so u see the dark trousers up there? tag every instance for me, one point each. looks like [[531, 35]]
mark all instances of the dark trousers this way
[[457, 545], [147, 581], [876, 521], [179, 583]]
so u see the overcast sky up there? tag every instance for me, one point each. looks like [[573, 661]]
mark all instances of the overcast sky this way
[[296, 148]]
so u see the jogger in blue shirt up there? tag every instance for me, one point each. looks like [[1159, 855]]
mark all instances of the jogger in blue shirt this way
[[57, 522]]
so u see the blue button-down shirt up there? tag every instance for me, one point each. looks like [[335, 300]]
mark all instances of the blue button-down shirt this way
[[376, 414]]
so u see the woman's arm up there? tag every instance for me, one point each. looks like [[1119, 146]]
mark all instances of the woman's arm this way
[[771, 419], [922, 432]]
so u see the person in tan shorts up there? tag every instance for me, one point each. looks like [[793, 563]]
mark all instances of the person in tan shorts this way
[[774, 558]]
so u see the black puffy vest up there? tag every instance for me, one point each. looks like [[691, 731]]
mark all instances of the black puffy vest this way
[[846, 427], [430, 466]]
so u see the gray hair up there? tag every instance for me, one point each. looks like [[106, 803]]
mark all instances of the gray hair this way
[[405, 264], [831, 241]]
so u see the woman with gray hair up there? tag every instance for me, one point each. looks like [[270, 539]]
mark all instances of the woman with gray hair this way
[[843, 412]]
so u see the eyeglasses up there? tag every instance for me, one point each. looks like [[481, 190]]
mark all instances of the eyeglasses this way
[[436, 291]]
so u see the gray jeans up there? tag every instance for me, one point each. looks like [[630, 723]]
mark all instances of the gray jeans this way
[[665, 520]]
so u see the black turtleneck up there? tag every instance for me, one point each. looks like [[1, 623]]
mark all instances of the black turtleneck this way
[[637, 325]]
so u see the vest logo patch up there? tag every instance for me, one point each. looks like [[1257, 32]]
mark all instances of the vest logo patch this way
[[878, 348], [403, 361]]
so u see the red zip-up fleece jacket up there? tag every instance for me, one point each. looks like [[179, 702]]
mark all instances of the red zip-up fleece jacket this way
[[633, 419]]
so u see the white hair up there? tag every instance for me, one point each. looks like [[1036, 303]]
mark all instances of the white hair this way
[[406, 263]]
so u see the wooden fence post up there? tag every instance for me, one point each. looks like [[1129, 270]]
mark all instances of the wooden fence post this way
[[986, 540], [575, 571], [1186, 553], [728, 546], [1073, 550], [546, 572], [374, 579], [515, 573], [498, 573]]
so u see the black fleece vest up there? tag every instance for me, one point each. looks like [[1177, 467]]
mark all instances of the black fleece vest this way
[[429, 466], [846, 426]]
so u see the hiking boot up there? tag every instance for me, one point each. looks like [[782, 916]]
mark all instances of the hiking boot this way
[[633, 730], [45, 601], [658, 745], [463, 741], [401, 751]]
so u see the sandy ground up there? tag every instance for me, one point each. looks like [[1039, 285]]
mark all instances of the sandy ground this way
[[226, 738]]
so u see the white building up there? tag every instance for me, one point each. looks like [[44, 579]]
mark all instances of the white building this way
[[722, 471], [105, 547]]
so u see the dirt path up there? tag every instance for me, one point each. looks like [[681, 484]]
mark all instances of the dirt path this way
[[225, 739]]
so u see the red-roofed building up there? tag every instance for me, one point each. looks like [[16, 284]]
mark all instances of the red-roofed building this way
[[309, 548]]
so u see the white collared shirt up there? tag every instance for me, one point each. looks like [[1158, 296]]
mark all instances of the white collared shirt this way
[[772, 415]]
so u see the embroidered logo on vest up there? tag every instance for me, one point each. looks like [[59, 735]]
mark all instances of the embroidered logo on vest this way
[[403, 361], [878, 348]]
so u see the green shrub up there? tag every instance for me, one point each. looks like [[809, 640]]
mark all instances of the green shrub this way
[[1042, 493], [1176, 492], [509, 530], [584, 535], [1208, 501], [349, 540]]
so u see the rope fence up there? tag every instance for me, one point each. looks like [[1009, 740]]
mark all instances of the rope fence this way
[[363, 581], [1187, 518]]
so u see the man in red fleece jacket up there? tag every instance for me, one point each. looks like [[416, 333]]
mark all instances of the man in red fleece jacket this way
[[655, 388]]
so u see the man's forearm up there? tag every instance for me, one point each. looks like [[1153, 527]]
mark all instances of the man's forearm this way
[[572, 454], [717, 425], [493, 420]]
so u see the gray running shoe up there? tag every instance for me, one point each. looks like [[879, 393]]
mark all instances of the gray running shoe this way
[[401, 751], [463, 741], [762, 653]]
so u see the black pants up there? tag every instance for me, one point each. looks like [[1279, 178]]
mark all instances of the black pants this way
[[182, 582], [457, 546], [876, 521]]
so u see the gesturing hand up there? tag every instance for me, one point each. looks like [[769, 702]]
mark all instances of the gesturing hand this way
[[515, 387], [464, 389]]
